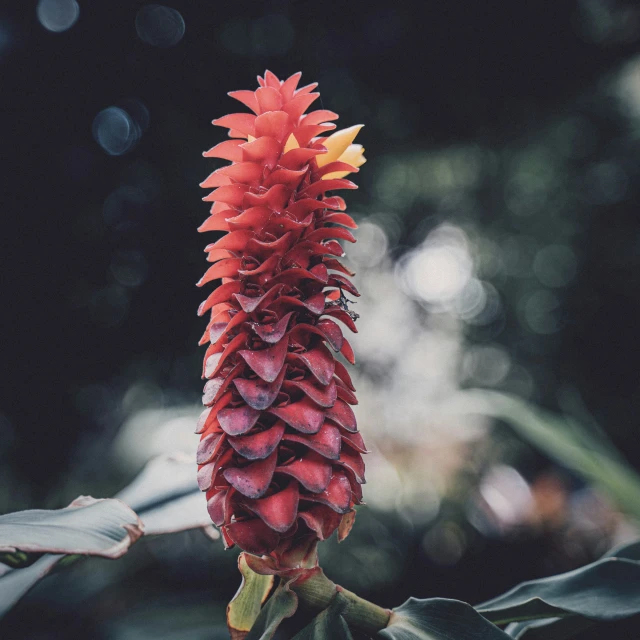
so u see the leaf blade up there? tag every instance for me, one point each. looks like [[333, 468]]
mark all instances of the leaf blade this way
[[245, 606], [606, 590], [88, 526], [552, 629], [281, 605], [165, 495], [439, 619], [163, 478], [15, 583], [328, 623]]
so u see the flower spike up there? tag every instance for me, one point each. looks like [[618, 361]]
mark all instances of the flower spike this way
[[280, 456]]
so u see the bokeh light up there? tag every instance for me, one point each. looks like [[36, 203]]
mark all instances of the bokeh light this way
[[129, 268], [159, 26], [115, 131], [6, 37], [555, 265], [57, 15]]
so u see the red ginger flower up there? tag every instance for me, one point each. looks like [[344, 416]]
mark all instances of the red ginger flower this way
[[280, 453]]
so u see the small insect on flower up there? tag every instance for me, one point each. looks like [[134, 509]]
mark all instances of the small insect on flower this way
[[280, 456]]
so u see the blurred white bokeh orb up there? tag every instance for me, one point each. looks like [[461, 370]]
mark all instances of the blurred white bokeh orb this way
[[57, 15]]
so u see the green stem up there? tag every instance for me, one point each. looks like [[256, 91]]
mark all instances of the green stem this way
[[317, 591]]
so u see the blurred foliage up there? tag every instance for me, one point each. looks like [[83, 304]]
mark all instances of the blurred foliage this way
[[587, 453]]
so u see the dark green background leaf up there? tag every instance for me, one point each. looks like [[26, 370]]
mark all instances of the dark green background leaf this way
[[608, 589], [630, 551], [552, 629], [569, 626], [439, 619]]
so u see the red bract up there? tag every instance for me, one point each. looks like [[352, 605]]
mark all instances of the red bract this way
[[280, 454]]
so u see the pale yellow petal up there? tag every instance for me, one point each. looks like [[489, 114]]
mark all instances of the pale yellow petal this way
[[337, 143], [292, 143], [354, 155]]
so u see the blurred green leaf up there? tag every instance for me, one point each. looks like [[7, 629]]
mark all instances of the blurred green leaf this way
[[245, 606], [281, 605], [88, 526], [163, 478], [328, 624], [166, 496], [586, 451], [439, 619]]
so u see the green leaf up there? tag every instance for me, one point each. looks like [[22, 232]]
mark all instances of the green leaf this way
[[588, 452], [328, 624], [606, 590], [14, 583], [245, 606], [549, 629], [439, 619], [282, 604], [166, 496], [630, 551], [570, 626], [87, 526]]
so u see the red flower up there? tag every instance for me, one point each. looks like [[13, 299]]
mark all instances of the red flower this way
[[280, 453]]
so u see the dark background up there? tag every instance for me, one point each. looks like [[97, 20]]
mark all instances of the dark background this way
[[421, 75]]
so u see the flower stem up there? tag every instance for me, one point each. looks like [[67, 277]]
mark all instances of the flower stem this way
[[317, 591]]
